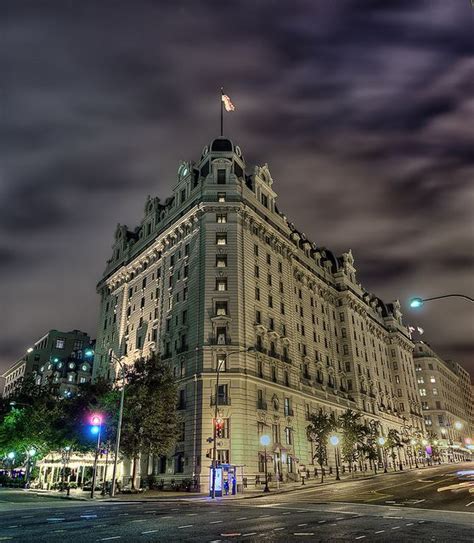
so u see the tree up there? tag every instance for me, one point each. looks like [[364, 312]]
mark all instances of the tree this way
[[149, 418], [394, 441], [318, 432], [368, 447], [38, 418], [353, 433]]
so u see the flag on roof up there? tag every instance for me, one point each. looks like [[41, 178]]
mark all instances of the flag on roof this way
[[229, 106], [420, 330]]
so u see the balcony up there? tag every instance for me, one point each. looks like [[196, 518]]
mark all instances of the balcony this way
[[261, 405], [221, 400]]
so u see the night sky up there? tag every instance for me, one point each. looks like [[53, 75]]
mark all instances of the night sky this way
[[362, 109]]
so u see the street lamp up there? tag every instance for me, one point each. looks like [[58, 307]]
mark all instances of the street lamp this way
[[334, 440], [458, 425], [29, 464], [265, 441], [381, 441], [219, 366], [88, 353], [96, 428], [417, 302]]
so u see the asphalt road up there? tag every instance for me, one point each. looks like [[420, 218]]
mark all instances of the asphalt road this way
[[318, 514]]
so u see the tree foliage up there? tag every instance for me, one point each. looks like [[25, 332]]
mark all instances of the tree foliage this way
[[149, 417], [318, 431]]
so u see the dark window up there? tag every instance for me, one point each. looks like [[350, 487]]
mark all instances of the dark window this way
[[238, 170], [205, 170], [221, 177]]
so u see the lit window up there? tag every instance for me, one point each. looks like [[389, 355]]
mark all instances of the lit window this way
[[221, 196], [435, 391], [221, 218], [60, 343], [221, 284], [221, 239], [432, 379], [221, 261], [221, 308], [422, 391]]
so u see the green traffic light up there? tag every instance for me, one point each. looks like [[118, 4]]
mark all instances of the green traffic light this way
[[416, 302]]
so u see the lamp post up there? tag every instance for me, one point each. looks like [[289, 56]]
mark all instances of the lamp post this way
[[29, 465], [216, 413], [413, 444], [65, 454], [334, 440], [381, 441], [115, 358], [96, 429], [417, 302], [265, 441], [11, 456]]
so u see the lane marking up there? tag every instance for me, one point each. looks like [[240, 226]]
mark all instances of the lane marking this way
[[186, 526], [299, 525], [28, 516], [109, 538], [361, 537], [191, 515], [216, 522], [242, 518], [264, 516], [245, 535], [166, 517], [150, 532], [88, 516], [380, 532], [467, 505], [278, 529], [321, 521], [395, 527], [409, 524], [139, 520], [233, 534], [287, 513], [303, 533], [54, 519]]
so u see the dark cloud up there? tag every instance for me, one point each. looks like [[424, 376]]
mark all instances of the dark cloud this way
[[362, 110]]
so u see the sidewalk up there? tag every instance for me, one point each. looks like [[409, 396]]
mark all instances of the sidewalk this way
[[157, 495]]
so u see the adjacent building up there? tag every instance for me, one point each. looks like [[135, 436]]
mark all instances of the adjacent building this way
[[446, 399], [216, 276], [64, 359]]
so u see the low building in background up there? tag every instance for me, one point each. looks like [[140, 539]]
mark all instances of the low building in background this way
[[446, 399], [65, 359]]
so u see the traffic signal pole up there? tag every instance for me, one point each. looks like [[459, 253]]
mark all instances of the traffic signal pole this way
[[214, 436], [94, 474]]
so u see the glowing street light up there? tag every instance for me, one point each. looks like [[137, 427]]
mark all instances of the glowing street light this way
[[265, 441], [334, 440], [96, 421], [416, 303], [458, 425], [29, 350], [11, 455]]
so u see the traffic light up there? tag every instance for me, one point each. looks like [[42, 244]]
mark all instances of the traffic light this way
[[219, 427], [96, 422]]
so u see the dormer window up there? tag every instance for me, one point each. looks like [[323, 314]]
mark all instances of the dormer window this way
[[221, 177], [264, 199]]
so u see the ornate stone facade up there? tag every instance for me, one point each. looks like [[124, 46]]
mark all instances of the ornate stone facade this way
[[218, 269]]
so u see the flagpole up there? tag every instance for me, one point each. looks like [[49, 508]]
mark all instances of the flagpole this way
[[222, 112]]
